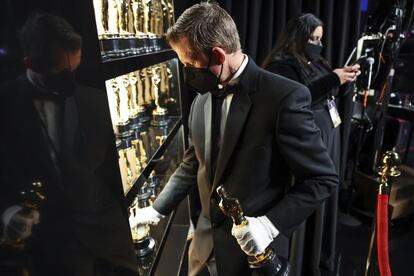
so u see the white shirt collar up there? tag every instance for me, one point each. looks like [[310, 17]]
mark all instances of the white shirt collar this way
[[236, 77]]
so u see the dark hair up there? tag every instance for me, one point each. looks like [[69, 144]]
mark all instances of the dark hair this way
[[206, 25], [293, 39], [42, 33]]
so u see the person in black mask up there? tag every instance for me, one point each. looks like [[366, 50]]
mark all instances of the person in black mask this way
[[297, 56], [59, 132], [248, 129]]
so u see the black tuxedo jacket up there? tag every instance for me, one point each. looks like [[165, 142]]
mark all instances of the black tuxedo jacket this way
[[84, 198], [269, 134]]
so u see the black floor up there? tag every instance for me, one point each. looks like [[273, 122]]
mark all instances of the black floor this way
[[353, 244]]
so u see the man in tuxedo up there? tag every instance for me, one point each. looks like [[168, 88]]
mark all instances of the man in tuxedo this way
[[59, 132], [250, 130]]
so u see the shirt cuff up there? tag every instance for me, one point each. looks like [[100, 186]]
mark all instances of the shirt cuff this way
[[270, 226]]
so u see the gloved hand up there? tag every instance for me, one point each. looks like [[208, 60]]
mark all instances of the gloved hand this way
[[18, 226], [147, 215], [256, 236]]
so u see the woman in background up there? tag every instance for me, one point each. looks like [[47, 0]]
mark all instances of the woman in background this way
[[297, 56]]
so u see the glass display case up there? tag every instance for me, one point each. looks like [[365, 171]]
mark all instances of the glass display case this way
[[142, 84], [145, 110]]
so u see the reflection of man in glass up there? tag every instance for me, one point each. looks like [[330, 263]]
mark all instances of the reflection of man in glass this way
[[249, 129], [59, 133]]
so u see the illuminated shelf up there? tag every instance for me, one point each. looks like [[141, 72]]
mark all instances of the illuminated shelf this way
[[154, 155], [120, 66]]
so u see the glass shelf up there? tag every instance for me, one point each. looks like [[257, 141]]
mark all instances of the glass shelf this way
[[120, 66]]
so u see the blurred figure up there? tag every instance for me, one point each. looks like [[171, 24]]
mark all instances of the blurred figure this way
[[60, 133], [297, 56]]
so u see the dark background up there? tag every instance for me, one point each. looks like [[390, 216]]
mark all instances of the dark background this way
[[258, 21]]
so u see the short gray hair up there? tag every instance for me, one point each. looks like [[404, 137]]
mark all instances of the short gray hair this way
[[206, 25]]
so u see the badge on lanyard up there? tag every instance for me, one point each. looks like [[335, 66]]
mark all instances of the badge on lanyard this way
[[333, 111]]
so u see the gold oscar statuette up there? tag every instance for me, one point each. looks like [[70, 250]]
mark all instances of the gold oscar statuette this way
[[101, 18], [153, 184], [118, 106], [136, 21], [148, 16], [130, 81], [106, 18], [123, 169], [267, 263], [165, 85], [142, 109], [143, 155], [170, 8], [146, 77], [136, 147], [144, 244], [113, 18], [125, 19], [159, 114], [128, 154], [145, 6], [156, 19], [130, 21]]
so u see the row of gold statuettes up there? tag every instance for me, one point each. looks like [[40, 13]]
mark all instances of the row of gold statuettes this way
[[131, 27], [140, 98], [135, 152]]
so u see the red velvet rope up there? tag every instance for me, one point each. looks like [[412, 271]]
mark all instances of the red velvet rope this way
[[382, 235]]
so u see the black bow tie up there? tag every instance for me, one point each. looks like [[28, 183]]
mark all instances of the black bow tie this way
[[225, 91]]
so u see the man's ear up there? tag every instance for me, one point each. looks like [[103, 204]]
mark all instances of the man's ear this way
[[219, 55]]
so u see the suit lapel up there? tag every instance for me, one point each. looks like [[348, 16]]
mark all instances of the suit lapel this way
[[41, 165], [236, 118], [207, 135]]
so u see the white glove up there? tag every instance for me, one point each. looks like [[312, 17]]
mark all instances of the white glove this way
[[18, 226], [147, 215], [256, 236]]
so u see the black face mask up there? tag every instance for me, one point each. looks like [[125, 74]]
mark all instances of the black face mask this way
[[313, 51], [202, 80], [62, 83]]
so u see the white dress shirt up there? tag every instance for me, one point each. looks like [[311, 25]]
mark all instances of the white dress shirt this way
[[227, 101], [48, 112]]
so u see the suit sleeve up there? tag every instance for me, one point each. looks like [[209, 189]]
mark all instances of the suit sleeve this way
[[301, 145], [183, 179]]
